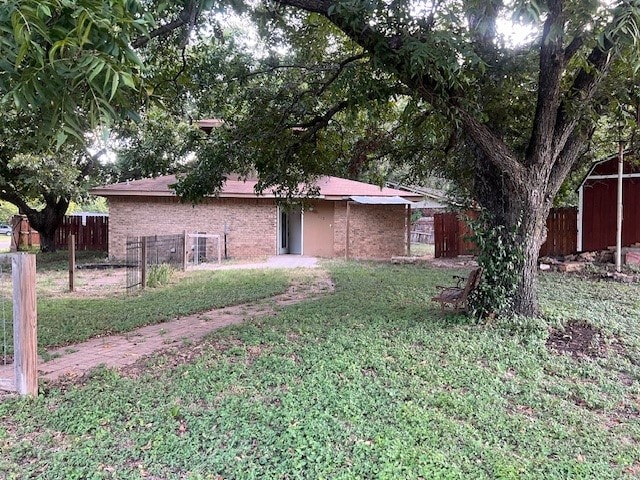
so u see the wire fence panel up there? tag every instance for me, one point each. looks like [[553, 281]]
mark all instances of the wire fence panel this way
[[134, 262], [165, 249], [146, 252], [203, 248]]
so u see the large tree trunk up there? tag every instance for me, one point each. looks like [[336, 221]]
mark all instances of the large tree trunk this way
[[532, 234], [47, 221], [520, 204]]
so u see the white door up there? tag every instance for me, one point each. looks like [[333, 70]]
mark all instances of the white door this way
[[290, 231], [295, 231], [283, 232]]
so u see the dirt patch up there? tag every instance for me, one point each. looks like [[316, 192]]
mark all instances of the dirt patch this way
[[581, 340]]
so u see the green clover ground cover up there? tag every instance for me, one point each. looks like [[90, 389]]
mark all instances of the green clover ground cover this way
[[369, 382], [64, 321]]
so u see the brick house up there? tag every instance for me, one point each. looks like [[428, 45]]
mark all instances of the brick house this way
[[347, 219]]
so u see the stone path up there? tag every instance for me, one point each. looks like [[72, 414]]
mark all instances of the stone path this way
[[126, 349]]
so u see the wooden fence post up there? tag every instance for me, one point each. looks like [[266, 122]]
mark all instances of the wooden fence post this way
[[184, 251], [72, 261], [25, 323]]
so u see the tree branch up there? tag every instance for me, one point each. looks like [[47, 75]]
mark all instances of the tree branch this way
[[581, 92], [495, 149], [185, 17], [574, 148], [323, 87], [320, 121], [552, 66], [340, 67], [573, 47], [12, 196]]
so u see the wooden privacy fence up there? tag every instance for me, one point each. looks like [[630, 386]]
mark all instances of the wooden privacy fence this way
[[452, 234], [562, 232], [92, 233]]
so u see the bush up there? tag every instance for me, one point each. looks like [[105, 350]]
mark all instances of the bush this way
[[158, 275]]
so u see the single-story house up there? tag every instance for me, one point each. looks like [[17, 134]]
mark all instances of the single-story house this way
[[597, 208], [346, 219]]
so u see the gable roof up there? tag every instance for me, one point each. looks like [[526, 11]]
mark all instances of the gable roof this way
[[608, 168], [331, 188]]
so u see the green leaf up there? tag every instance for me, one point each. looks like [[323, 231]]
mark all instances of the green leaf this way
[[114, 85]]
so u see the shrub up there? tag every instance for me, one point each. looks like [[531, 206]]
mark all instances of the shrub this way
[[158, 275]]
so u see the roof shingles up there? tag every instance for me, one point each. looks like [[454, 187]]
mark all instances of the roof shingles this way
[[331, 188]]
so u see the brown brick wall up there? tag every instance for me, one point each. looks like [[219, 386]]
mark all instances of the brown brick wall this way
[[375, 231], [251, 223]]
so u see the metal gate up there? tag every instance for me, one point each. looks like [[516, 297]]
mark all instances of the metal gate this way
[[145, 252]]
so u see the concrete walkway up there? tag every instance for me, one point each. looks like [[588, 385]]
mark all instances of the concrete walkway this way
[[125, 349]]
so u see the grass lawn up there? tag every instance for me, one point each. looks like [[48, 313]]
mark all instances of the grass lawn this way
[[369, 382], [422, 249], [67, 320]]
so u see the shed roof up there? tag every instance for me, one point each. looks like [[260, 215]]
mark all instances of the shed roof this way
[[608, 168], [330, 188]]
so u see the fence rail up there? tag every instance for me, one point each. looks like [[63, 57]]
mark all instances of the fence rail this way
[[452, 234]]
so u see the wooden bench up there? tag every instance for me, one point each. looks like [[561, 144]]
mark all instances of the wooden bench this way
[[457, 296]]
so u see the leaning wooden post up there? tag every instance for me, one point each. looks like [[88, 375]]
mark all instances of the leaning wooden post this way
[[72, 261], [25, 323]]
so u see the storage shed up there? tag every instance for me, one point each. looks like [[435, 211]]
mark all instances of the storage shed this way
[[597, 205], [347, 219]]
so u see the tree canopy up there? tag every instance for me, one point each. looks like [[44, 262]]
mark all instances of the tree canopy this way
[[66, 68], [434, 85], [346, 86]]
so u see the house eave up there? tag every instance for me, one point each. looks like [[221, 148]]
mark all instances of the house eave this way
[[128, 193]]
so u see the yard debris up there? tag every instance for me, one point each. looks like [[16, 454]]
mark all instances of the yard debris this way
[[571, 267], [587, 256], [597, 264], [632, 258], [622, 277], [549, 261], [606, 256]]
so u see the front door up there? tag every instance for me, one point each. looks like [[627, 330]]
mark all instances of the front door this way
[[283, 237], [290, 231]]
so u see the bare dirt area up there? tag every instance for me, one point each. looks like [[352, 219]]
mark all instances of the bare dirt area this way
[[581, 340], [88, 282]]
